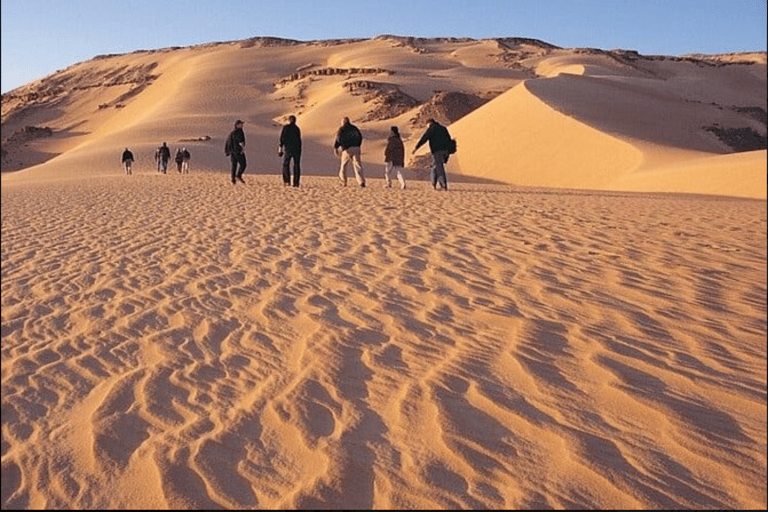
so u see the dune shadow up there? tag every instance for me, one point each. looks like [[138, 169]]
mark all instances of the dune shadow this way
[[17, 154], [622, 108]]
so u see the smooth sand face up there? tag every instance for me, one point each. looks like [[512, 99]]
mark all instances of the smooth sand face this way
[[173, 341]]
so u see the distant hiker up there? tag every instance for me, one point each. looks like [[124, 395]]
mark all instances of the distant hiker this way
[[127, 161], [185, 161], [235, 150], [179, 159], [164, 154], [394, 158], [157, 159], [290, 149], [440, 145], [348, 140]]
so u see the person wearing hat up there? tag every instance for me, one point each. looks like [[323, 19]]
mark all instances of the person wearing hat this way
[[235, 150], [394, 158]]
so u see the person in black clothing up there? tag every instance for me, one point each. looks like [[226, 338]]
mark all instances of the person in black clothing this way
[[290, 149], [348, 140], [127, 161], [235, 150], [164, 153], [439, 145], [179, 159]]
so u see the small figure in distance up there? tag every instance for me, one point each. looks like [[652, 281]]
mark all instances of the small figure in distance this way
[[185, 161], [164, 153], [394, 158], [348, 140], [440, 146], [157, 159], [127, 161], [290, 149], [179, 159], [235, 150]]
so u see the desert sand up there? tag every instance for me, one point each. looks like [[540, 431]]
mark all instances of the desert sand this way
[[578, 322]]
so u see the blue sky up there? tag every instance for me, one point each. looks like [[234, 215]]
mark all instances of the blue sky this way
[[40, 37]]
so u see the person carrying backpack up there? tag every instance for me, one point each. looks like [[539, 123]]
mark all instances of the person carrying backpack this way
[[441, 145]]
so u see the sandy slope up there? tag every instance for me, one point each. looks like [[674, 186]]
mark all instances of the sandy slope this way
[[591, 121], [173, 341], [576, 155], [552, 117]]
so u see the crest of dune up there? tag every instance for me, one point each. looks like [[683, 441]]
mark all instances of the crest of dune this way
[[521, 139], [617, 122]]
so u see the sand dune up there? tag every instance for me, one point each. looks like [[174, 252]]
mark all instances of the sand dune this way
[[599, 122], [579, 322], [661, 110], [541, 145]]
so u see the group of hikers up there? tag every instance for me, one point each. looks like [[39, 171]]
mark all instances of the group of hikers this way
[[162, 156], [346, 146]]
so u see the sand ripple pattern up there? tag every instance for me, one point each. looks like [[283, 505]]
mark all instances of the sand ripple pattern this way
[[176, 342]]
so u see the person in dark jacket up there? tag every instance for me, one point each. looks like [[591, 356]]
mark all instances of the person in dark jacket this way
[[127, 161], [348, 140], [235, 150], [290, 149], [179, 159], [164, 154], [394, 158], [439, 145]]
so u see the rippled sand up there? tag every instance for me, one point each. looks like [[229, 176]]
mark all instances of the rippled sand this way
[[177, 342]]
